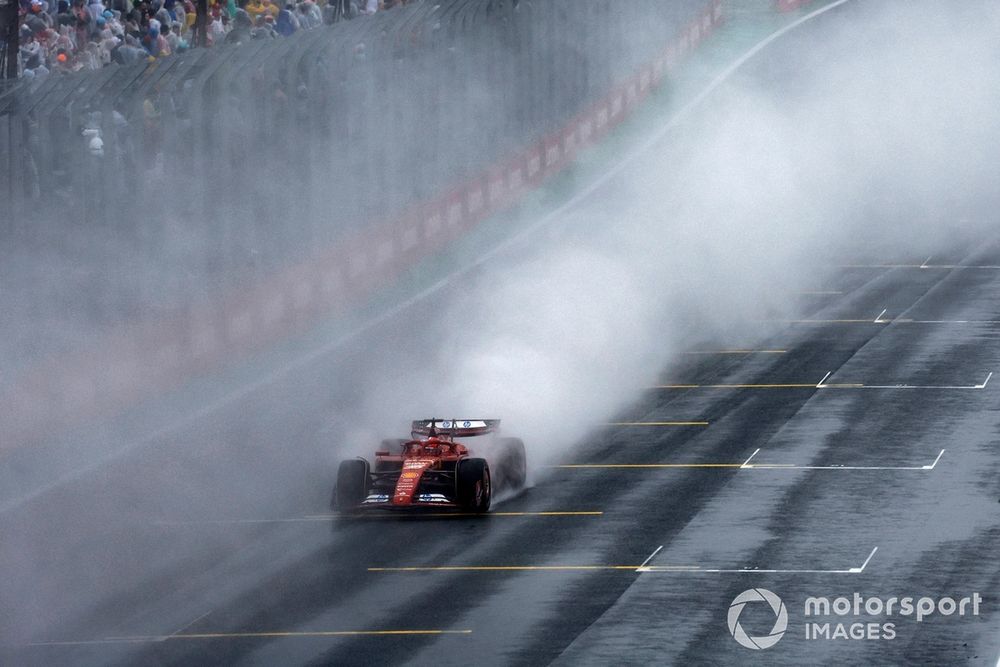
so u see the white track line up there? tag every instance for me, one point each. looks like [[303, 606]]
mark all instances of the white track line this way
[[934, 465], [646, 562], [965, 387], [858, 385], [865, 564], [747, 462], [695, 569], [908, 321], [788, 466], [878, 319], [924, 265], [545, 220], [951, 267], [182, 629], [898, 320]]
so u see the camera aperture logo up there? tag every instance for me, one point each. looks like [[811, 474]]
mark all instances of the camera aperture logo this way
[[780, 618], [858, 617]]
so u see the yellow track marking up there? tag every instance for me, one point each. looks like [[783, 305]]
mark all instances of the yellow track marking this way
[[737, 352], [375, 515], [334, 633], [844, 321], [736, 386], [249, 635], [786, 385], [502, 568], [649, 465], [460, 514]]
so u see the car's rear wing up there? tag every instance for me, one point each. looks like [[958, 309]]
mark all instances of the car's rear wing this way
[[457, 428]]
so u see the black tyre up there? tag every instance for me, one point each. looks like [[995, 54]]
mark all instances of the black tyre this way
[[473, 485], [353, 480], [513, 463]]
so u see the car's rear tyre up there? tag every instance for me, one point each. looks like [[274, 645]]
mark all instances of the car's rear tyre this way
[[473, 485], [513, 463], [353, 480]]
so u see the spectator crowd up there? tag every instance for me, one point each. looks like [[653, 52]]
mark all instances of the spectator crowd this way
[[64, 36]]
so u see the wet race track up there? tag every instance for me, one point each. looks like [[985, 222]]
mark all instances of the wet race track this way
[[854, 452]]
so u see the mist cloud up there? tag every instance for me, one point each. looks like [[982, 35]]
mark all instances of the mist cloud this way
[[879, 141]]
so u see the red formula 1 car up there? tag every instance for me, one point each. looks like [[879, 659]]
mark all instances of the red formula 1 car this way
[[433, 469]]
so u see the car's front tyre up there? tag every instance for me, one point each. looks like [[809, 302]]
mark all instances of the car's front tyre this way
[[473, 485], [353, 481]]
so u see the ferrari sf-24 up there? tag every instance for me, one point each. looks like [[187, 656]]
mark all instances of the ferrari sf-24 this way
[[433, 469]]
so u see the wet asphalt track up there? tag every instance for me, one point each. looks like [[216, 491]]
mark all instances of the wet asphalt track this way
[[936, 530], [846, 490]]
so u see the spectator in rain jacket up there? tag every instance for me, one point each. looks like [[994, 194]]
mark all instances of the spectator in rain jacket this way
[[90, 57], [172, 36], [181, 17], [108, 44], [151, 41], [242, 24], [130, 52], [255, 8], [113, 23], [123, 6], [63, 62], [30, 48], [217, 30], [36, 67], [63, 14], [84, 22], [265, 27], [37, 19], [96, 8], [163, 16], [287, 24], [271, 8], [309, 15], [64, 41]]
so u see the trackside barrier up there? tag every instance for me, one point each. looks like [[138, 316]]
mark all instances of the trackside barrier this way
[[153, 355]]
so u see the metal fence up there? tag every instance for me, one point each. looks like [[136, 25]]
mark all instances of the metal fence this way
[[217, 165]]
